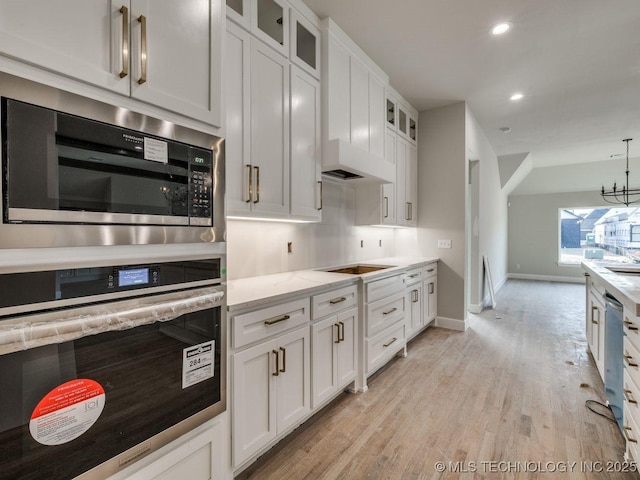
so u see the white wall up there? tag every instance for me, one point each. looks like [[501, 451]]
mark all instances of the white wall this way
[[260, 248], [441, 203], [534, 230], [492, 228]]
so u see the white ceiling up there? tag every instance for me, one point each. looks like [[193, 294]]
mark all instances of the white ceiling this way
[[576, 61]]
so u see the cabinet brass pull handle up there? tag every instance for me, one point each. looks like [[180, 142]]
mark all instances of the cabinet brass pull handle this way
[[386, 207], [341, 332], [392, 340], [338, 300], [408, 215], [284, 360], [432, 287], [630, 325], [410, 211], [321, 193], [594, 309], [257, 185], [628, 397], [277, 354], [275, 320], [414, 296], [414, 275], [431, 270], [628, 437], [125, 41], [390, 311], [250, 184], [337, 340], [143, 49], [630, 361]]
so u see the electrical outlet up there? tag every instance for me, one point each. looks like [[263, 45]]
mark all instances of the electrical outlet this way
[[444, 243]]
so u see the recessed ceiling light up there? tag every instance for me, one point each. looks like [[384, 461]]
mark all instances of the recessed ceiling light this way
[[505, 129], [501, 28], [516, 96]]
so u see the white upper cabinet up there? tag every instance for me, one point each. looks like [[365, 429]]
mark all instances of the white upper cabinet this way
[[176, 54], [160, 52], [270, 23], [269, 175], [72, 37], [306, 186], [273, 149], [353, 100], [305, 42]]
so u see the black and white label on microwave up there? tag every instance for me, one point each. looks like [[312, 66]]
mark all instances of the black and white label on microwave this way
[[197, 363], [156, 150]]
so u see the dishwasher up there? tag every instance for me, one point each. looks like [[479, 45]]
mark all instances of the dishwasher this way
[[613, 356]]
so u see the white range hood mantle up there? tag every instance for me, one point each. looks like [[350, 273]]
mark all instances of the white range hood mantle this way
[[343, 161]]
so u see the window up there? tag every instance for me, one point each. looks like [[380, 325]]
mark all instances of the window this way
[[610, 234]]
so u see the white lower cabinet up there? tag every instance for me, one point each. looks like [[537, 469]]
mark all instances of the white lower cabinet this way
[[383, 330], [201, 454], [333, 343], [430, 291], [270, 391], [595, 325]]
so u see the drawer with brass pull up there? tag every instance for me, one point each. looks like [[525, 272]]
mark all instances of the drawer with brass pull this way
[[430, 270], [384, 313], [631, 361], [334, 301], [383, 346], [630, 430], [631, 325], [260, 324]]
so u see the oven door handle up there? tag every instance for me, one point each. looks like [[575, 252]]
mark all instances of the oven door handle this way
[[65, 325]]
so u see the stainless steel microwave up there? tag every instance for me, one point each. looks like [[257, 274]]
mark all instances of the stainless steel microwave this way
[[78, 172]]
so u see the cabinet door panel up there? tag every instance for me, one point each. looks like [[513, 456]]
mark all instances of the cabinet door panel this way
[[74, 37], [324, 334], [237, 137], [402, 208], [347, 347], [338, 118], [294, 385], [359, 105], [305, 144], [183, 56], [377, 128], [254, 408], [269, 129]]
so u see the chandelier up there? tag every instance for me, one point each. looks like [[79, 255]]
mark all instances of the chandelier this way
[[627, 195]]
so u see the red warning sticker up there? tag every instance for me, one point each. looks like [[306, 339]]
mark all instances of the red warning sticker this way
[[67, 411]]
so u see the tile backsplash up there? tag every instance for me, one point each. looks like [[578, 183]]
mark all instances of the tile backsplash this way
[[260, 248]]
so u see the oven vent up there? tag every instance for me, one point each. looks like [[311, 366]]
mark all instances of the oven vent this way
[[342, 174]]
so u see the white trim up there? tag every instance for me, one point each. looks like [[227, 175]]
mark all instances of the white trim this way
[[546, 278], [452, 323]]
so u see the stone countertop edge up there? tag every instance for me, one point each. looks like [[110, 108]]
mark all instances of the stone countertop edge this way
[[625, 288], [252, 292]]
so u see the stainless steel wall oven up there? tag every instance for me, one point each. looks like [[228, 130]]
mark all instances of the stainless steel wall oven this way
[[117, 177], [102, 363]]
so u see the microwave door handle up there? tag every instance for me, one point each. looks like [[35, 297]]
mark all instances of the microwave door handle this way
[[44, 329]]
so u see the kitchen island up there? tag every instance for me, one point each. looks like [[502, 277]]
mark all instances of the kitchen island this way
[[612, 326]]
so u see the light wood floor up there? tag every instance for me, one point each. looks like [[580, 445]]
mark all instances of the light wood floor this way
[[503, 397]]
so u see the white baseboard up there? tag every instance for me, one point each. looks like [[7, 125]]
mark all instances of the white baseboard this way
[[476, 308], [546, 278], [451, 323]]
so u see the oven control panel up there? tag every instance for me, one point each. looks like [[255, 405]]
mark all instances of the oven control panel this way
[[134, 277], [32, 291]]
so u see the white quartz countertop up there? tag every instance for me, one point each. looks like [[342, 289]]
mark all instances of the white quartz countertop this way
[[255, 291], [624, 285]]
